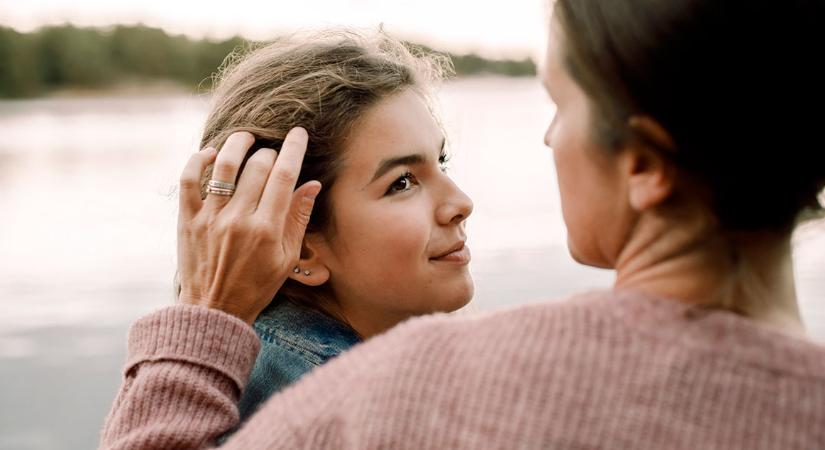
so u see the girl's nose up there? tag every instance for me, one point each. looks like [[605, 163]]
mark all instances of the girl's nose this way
[[455, 206]]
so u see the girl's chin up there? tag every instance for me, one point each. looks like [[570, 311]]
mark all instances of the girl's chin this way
[[461, 296]]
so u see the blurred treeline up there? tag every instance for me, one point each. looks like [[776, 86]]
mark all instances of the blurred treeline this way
[[66, 56]]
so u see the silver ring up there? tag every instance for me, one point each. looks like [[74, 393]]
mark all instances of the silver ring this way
[[218, 191], [221, 185]]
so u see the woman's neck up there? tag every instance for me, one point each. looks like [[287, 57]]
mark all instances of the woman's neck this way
[[687, 260]]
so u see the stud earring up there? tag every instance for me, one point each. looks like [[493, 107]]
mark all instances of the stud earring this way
[[297, 269], [306, 272]]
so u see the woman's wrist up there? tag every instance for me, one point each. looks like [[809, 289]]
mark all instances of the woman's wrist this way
[[236, 310]]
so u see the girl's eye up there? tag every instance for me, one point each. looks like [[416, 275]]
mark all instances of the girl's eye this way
[[403, 183], [442, 162]]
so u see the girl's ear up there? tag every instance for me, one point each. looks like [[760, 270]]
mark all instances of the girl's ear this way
[[311, 269]]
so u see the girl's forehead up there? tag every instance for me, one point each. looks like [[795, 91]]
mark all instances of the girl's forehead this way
[[397, 125]]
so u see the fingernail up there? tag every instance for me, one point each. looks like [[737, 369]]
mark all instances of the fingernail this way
[[300, 131], [312, 191]]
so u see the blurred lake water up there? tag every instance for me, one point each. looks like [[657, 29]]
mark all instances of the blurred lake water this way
[[87, 235]]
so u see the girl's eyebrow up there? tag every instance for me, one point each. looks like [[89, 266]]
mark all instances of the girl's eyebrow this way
[[388, 164], [406, 160]]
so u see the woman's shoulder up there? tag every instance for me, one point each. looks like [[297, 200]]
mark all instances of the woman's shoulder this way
[[622, 320], [592, 305], [590, 355], [511, 329]]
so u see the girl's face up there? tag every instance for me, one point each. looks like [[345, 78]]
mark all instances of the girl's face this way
[[396, 247]]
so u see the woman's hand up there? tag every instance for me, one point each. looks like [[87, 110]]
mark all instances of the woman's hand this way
[[235, 252]]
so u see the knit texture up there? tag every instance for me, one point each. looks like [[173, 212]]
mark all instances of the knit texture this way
[[602, 370]]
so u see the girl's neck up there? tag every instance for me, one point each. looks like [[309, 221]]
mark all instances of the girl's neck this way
[[365, 323]]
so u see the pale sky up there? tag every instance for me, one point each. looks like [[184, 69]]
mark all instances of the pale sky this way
[[493, 28]]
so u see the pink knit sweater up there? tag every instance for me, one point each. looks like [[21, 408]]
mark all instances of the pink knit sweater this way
[[601, 370]]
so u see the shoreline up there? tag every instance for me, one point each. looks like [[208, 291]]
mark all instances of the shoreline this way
[[154, 88], [167, 88]]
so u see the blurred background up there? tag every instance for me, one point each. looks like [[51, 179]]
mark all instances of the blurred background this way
[[101, 103]]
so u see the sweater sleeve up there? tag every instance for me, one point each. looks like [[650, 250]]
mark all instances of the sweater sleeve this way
[[185, 370], [188, 365]]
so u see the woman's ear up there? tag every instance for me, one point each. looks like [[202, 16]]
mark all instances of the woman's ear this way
[[311, 269], [648, 130], [651, 175]]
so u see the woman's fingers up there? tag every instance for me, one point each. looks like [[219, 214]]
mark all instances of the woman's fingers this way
[[190, 182], [237, 263], [228, 163], [300, 210], [252, 181], [276, 199]]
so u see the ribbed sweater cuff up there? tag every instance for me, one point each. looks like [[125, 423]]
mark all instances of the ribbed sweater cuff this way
[[198, 335]]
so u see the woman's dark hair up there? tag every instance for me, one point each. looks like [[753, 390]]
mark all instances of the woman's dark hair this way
[[738, 84]]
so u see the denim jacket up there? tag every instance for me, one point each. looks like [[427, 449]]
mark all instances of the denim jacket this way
[[294, 340]]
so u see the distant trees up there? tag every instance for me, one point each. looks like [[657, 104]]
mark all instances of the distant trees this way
[[20, 73], [67, 56], [53, 57], [473, 64]]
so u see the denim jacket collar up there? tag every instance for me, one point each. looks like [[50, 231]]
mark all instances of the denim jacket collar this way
[[307, 328]]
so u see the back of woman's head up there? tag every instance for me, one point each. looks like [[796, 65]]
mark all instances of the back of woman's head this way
[[322, 81], [736, 83]]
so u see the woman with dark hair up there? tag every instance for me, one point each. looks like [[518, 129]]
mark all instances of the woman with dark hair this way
[[685, 159]]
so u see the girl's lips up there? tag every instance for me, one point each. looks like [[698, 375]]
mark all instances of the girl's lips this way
[[461, 256]]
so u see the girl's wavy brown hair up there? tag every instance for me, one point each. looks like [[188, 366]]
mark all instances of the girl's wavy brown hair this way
[[322, 81]]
